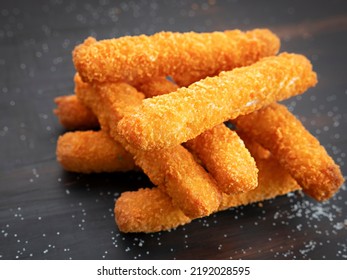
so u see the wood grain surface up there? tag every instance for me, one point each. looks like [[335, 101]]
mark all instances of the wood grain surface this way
[[48, 213]]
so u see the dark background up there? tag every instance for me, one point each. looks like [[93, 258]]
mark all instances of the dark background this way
[[47, 213]]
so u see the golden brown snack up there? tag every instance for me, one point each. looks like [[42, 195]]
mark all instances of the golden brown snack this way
[[226, 158], [92, 152], [214, 100], [279, 131], [151, 210], [137, 59], [174, 170], [74, 115]]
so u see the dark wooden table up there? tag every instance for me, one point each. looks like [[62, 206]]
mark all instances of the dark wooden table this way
[[47, 213]]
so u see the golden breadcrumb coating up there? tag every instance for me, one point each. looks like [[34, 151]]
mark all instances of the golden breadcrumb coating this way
[[137, 59], [190, 111], [279, 131], [156, 86], [74, 115], [226, 158], [92, 152], [244, 51], [151, 210], [174, 170], [254, 147]]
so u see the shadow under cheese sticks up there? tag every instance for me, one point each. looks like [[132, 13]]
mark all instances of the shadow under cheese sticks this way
[[151, 210], [214, 100], [174, 170], [298, 151], [137, 59]]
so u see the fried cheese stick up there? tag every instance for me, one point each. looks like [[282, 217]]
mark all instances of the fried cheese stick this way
[[137, 59], [73, 115], [151, 210], [298, 151], [92, 152], [225, 156], [174, 170], [214, 100]]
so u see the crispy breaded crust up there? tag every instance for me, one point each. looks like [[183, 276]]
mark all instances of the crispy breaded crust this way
[[156, 86], [172, 169], [258, 43], [214, 100], [74, 115], [254, 147], [80, 151], [295, 148], [137, 59], [226, 158], [151, 210]]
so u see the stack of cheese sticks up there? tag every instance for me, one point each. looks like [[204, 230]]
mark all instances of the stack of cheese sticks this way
[[174, 130]]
